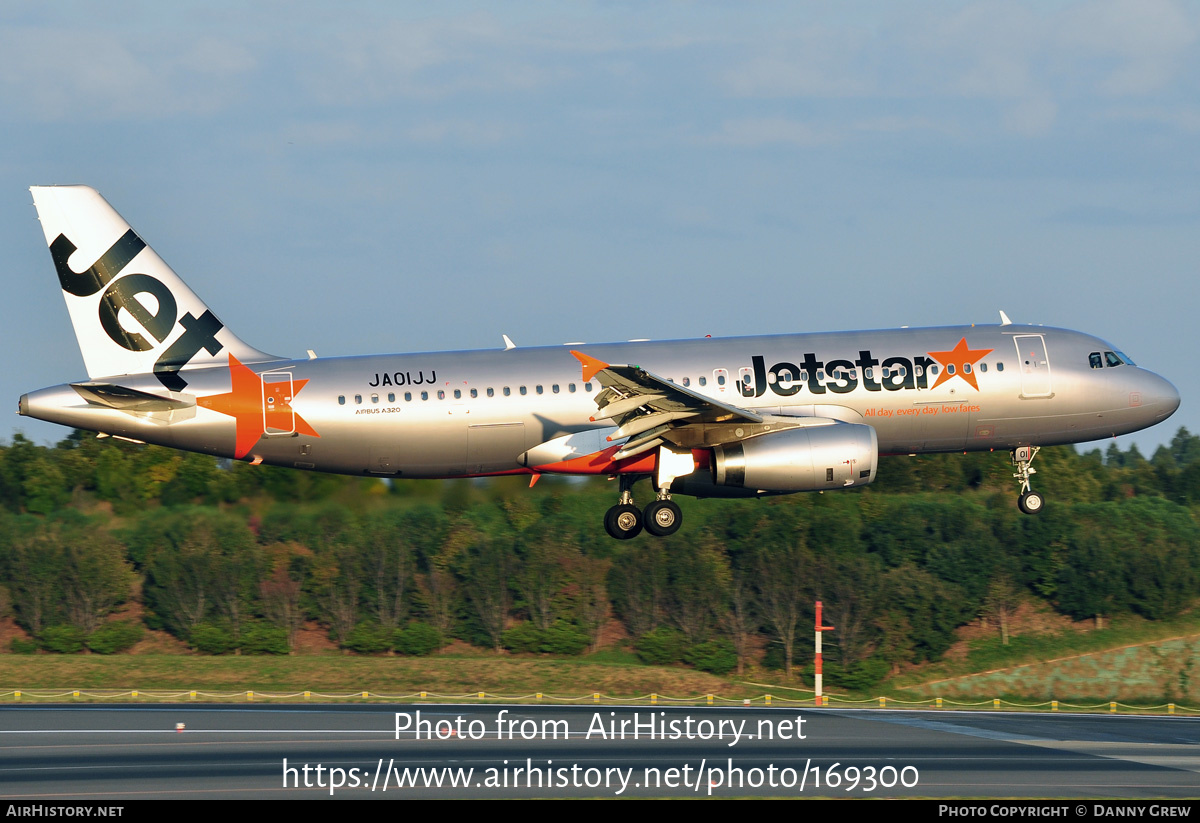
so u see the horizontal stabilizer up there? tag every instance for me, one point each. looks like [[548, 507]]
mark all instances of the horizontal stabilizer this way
[[123, 398]]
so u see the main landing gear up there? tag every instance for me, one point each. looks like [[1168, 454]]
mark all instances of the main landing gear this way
[[625, 521], [1030, 502]]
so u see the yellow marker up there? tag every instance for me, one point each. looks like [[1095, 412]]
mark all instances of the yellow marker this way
[[192, 695], [135, 692], [481, 695], [307, 695], [422, 695], [768, 700], [995, 702], [1053, 705], [938, 701], [1112, 708], [883, 702], [653, 699], [710, 700], [250, 696], [1170, 708], [74, 694], [365, 695], [595, 697], [539, 695]]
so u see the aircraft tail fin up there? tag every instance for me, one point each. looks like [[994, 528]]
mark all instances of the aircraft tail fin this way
[[132, 314]]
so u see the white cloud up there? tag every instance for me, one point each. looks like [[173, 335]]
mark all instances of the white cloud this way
[[52, 74]]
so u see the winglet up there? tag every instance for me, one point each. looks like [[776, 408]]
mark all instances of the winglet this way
[[591, 366], [1004, 321]]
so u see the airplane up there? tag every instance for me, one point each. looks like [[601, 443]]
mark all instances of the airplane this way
[[732, 417]]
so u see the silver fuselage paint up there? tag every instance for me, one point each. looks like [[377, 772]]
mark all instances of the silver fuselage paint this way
[[1045, 394]]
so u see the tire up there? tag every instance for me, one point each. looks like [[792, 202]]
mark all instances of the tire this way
[[1031, 502], [623, 522], [662, 517]]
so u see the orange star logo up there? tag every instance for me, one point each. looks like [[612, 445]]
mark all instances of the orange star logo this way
[[257, 406], [959, 358]]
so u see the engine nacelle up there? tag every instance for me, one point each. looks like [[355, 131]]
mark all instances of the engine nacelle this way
[[836, 456]]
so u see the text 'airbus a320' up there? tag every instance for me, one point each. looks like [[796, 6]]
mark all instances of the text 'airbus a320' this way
[[734, 417]]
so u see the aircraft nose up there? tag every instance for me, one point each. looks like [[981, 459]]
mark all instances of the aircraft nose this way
[[1160, 396]]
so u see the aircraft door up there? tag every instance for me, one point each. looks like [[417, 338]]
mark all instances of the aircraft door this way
[[278, 389], [1034, 363]]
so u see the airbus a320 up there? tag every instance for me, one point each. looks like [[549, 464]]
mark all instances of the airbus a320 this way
[[732, 417]]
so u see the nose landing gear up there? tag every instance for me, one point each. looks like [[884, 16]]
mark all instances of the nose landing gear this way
[[1029, 501]]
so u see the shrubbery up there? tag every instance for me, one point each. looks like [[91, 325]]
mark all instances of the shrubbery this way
[[115, 637], [418, 639], [62, 639]]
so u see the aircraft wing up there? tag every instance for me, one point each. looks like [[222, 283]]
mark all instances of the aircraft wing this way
[[645, 406]]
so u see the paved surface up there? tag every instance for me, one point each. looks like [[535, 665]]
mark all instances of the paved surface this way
[[127, 752]]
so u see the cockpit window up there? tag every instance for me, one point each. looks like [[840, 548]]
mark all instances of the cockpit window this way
[[1124, 358], [1095, 361], [1111, 359]]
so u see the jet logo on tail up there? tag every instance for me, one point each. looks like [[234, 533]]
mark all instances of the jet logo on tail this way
[[123, 293]]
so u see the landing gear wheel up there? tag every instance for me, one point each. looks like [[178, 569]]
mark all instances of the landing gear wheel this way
[[1031, 502], [623, 522], [662, 517]]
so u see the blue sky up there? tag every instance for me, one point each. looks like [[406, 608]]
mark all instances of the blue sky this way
[[368, 177]]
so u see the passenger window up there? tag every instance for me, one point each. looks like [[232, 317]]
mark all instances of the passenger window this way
[[999, 367], [474, 393], [918, 371], [539, 389], [554, 388], [720, 380], [358, 398], [458, 394], [441, 394], [374, 398], [341, 399], [933, 370], [424, 395], [408, 397], [950, 369], [687, 381], [391, 397], [703, 381], [983, 366], [571, 388], [587, 386], [966, 368], [523, 390], [507, 391]]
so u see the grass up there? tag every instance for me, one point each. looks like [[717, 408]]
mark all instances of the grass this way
[[989, 654], [445, 675]]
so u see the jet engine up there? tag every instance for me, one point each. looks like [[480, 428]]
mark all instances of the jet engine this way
[[811, 458]]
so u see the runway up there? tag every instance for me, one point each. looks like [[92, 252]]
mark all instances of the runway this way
[[129, 752]]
